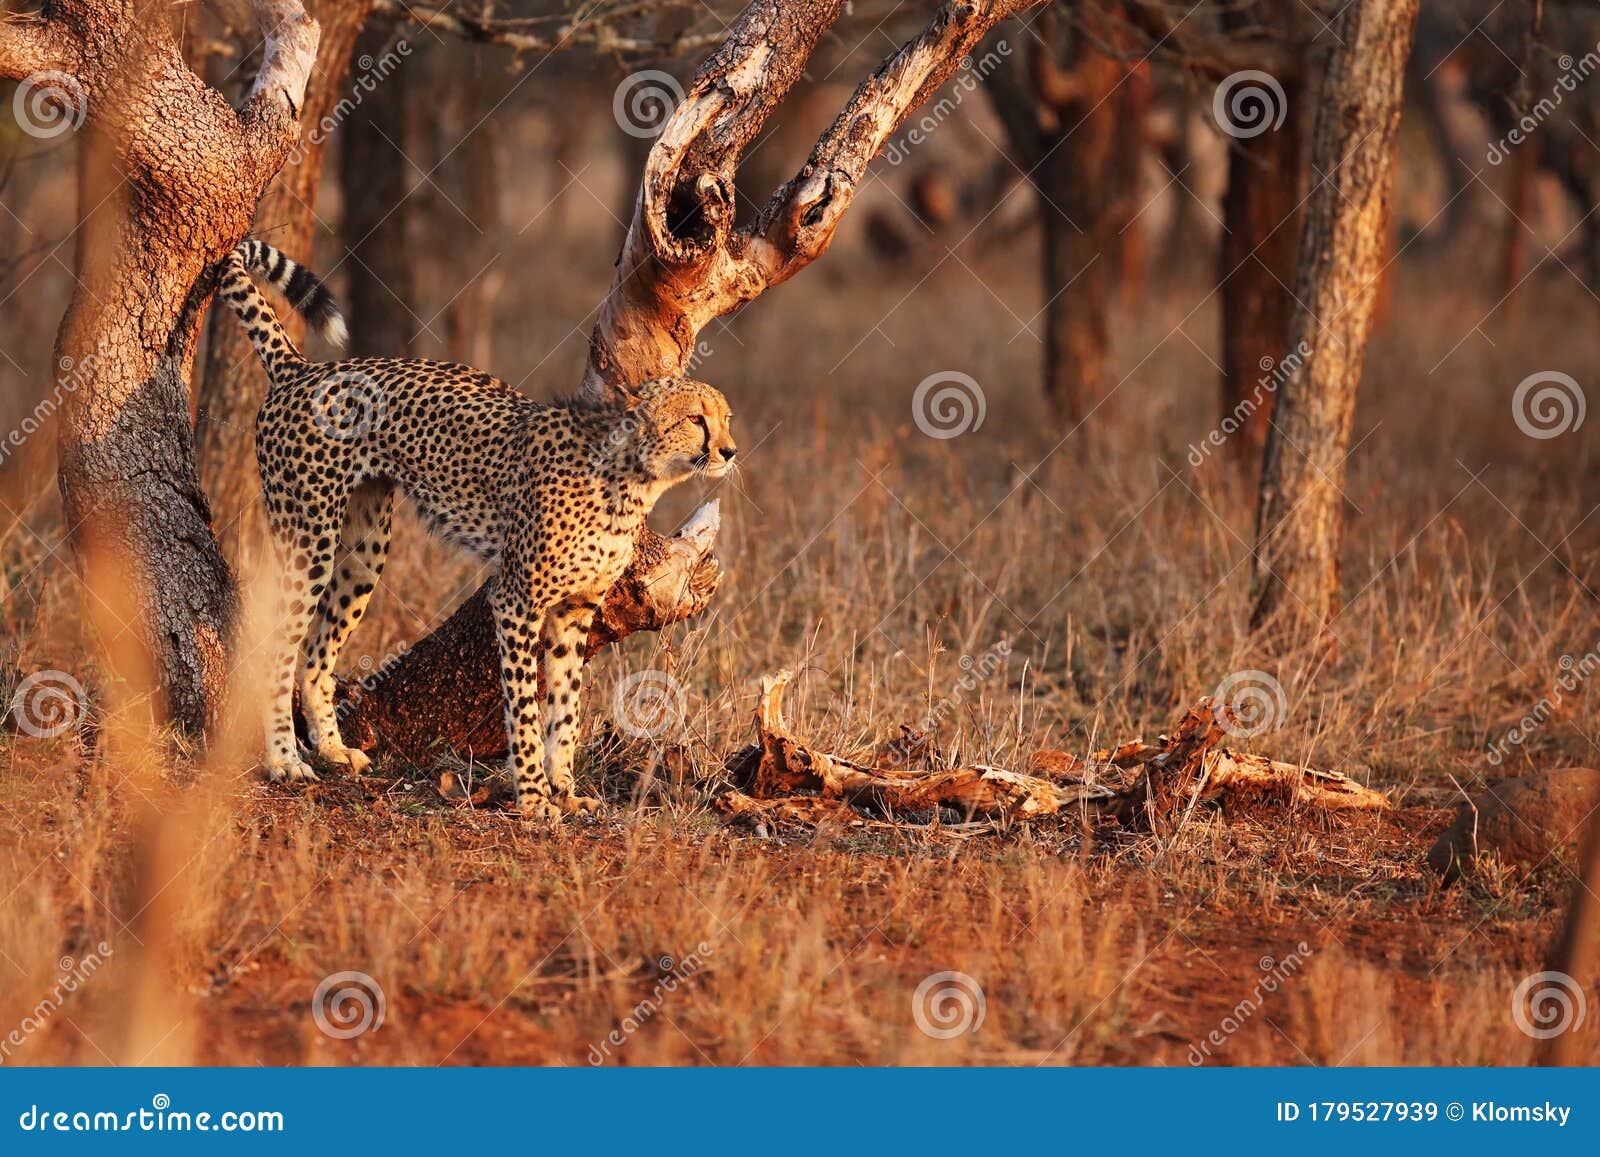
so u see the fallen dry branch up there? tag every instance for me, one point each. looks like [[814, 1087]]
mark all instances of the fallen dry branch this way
[[1148, 785]]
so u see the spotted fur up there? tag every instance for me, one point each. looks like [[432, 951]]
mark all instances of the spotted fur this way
[[552, 494]]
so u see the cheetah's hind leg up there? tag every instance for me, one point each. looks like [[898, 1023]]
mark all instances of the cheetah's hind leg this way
[[304, 547], [363, 549]]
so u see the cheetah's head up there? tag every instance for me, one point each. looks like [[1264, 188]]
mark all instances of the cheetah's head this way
[[683, 430]]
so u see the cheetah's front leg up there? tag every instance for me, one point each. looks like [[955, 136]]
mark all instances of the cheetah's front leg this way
[[516, 628], [566, 630]]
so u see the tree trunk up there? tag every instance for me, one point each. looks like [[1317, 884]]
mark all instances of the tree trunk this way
[[472, 171], [1134, 99], [169, 174], [1257, 264], [1076, 281], [374, 183], [1063, 129], [233, 382], [1300, 519]]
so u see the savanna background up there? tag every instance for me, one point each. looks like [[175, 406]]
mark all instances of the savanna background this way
[[472, 208]]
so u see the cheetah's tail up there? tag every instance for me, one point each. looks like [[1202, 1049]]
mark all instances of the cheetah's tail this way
[[304, 290]]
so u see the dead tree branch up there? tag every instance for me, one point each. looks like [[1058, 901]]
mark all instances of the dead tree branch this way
[[596, 31], [1148, 785]]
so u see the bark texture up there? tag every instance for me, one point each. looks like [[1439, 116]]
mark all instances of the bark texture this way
[[1300, 516], [684, 263], [169, 174]]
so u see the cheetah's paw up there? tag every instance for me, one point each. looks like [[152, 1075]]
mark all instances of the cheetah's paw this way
[[575, 804], [539, 811], [291, 770], [352, 759]]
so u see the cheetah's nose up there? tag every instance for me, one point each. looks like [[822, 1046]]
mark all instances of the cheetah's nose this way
[[727, 453]]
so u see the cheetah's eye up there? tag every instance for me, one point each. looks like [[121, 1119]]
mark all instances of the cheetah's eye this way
[[699, 420]]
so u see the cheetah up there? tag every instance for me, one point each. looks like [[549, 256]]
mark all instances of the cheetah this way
[[552, 495]]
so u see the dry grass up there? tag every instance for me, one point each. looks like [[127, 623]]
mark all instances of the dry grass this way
[[875, 558]]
